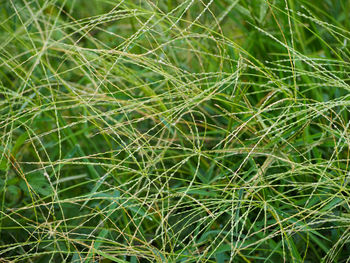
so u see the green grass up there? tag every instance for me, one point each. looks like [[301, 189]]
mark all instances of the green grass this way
[[174, 131]]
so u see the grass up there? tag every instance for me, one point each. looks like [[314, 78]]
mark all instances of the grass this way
[[174, 131]]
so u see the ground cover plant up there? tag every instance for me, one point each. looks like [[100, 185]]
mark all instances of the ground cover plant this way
[[174, 131]]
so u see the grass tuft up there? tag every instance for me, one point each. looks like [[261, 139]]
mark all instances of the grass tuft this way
[[174, 131]]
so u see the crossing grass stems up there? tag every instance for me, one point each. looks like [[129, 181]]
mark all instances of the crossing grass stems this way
[[174, 131]]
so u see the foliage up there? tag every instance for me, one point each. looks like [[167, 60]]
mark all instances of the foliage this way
[[174, 131]]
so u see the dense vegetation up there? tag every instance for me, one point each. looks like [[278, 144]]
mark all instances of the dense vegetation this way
[[174, 131]]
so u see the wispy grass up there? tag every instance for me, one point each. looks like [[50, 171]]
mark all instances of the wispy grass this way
[[174, 131]]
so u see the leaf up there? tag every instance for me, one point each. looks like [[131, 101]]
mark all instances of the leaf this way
[[263, 11], [3, 164], [19, 142], [39, 184]]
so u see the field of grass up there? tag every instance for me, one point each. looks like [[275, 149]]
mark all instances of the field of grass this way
[[174, 131]]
